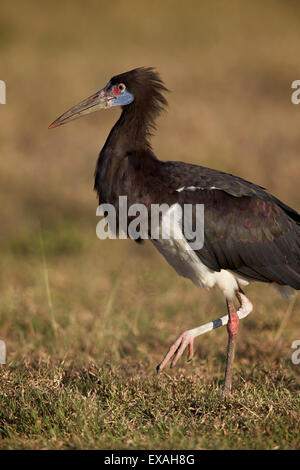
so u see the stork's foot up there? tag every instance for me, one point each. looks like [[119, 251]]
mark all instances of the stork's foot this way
[[186, 339]]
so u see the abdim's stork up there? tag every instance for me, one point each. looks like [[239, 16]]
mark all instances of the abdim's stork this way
[[249, 235]]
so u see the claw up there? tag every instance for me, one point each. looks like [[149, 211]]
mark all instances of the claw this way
[[177, 349]]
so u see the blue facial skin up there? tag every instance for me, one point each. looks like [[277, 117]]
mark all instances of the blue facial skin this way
[[122, 100]]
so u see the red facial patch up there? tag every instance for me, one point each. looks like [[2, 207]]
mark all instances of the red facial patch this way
[[116, 90]]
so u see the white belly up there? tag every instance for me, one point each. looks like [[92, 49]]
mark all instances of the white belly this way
[[179, 255]]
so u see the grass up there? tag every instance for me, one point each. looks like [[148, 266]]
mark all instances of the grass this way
[[86, 321], [54, 404], [81, 368]]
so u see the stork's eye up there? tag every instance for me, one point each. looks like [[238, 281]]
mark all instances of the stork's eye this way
[[121, 87], [118, 89]]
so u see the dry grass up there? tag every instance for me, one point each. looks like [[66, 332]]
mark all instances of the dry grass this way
[[85, 321]]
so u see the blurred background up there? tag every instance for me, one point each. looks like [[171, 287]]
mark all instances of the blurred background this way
[[229, 66]]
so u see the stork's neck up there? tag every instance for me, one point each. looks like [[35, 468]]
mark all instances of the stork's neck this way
[[130, 133], [128, 138]]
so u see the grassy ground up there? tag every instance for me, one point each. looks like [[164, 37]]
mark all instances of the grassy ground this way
[[86, 321]]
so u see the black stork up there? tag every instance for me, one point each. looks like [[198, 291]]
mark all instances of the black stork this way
[[249, 235]]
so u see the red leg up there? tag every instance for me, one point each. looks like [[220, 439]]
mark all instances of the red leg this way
[[232, 328]]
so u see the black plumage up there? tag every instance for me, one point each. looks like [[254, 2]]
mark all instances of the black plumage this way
[[247, 230]]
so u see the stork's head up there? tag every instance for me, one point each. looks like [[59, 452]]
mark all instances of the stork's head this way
[[139, 85]]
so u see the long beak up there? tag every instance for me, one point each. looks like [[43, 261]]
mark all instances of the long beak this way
[[99, 100]]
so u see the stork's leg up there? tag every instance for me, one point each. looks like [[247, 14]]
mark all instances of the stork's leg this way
[[187, 337], [232, 328]]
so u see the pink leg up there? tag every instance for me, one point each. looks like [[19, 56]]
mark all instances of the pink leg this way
[[177, 348], [186, 339]]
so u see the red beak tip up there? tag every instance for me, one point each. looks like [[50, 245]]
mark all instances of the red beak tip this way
[[52, 126]]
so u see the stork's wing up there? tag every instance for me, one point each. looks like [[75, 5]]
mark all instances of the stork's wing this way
[[187, 177], [253, 237]]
